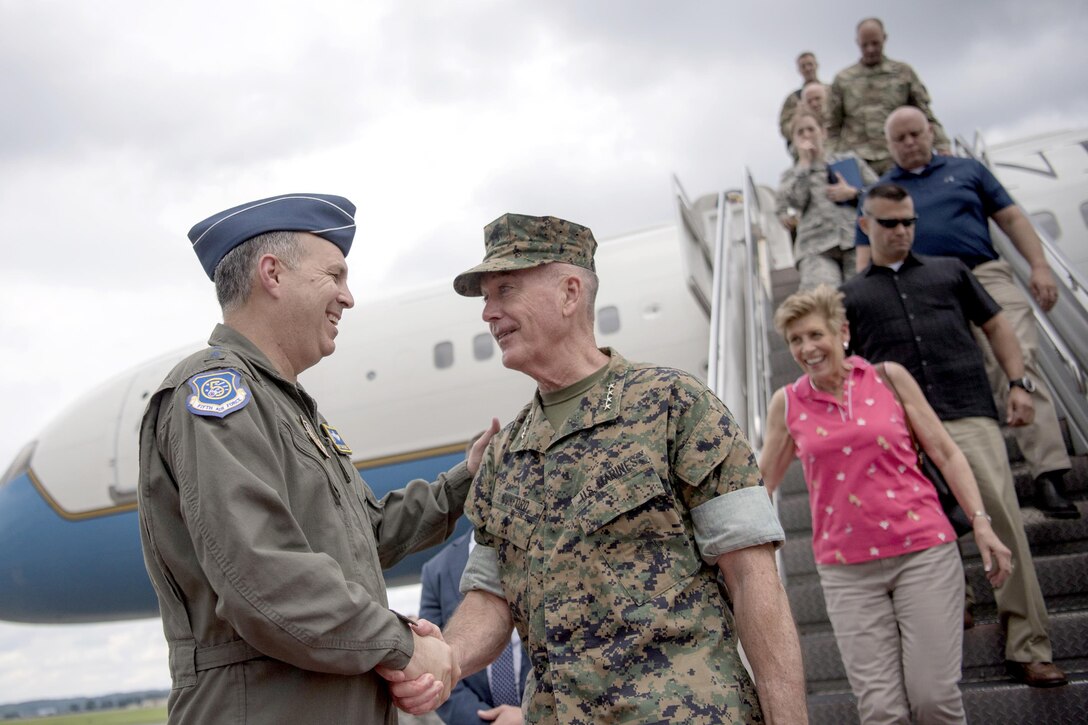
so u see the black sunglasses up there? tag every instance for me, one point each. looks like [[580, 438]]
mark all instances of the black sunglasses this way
[[893, 223]]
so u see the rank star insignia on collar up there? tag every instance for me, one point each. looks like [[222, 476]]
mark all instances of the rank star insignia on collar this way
[[337, 441]]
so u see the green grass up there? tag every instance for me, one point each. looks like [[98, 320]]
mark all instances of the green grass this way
[[139, 716]]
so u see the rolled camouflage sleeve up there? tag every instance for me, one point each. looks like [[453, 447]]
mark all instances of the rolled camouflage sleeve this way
[[736, 520], [729, 504], [482, 572]]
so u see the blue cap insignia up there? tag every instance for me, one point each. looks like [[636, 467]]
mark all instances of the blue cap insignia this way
[[335, 438], [217, 393]]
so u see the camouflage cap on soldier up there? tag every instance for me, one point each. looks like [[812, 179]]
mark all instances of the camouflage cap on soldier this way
[[518, 241]]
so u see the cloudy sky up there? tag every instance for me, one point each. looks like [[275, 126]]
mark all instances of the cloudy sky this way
[[125, 122]]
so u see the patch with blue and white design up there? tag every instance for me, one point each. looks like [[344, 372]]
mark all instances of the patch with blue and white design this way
[[335, 438], [217, 393]]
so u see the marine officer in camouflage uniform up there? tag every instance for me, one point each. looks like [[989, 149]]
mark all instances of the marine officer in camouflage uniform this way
[[264, 545], [605, 512], [864, 94]]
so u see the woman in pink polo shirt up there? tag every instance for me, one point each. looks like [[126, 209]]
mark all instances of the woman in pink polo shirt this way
[[885, 552]]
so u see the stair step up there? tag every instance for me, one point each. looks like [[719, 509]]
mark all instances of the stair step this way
[[989, 702], [793, 483], [1046, 536], [1076, 487], [1059, 575], [1076, 481], [983, 649]]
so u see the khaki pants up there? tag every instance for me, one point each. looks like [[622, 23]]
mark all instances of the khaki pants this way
[[899, 626], [1019, 600], [1041, 442]]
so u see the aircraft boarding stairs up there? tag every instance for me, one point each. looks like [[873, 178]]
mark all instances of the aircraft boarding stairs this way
[[740, 269]]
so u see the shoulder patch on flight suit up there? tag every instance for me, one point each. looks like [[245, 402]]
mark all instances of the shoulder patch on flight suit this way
[[217, 393], [336, 439]]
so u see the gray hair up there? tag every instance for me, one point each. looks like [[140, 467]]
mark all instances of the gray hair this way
[[234, 274], [590, 283]]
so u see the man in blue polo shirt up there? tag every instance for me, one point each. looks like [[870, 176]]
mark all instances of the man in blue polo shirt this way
[[955, 198]]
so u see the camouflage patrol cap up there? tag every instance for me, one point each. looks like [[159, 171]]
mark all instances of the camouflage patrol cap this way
[[518, 241]]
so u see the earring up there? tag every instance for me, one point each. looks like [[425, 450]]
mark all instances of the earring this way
[[845, 345]]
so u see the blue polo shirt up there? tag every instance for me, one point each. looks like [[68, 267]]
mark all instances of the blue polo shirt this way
[[954, 199]]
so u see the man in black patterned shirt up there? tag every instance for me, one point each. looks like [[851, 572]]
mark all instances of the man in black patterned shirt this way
[[916, 310]]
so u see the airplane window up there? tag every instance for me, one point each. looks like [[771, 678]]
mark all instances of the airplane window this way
[[608, 319], [443, 355], [482, 346], [1049, 223]]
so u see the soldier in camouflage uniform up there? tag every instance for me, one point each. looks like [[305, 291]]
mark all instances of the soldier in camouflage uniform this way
[[604, 513], [823, 250], [806, 66], [864, 94]]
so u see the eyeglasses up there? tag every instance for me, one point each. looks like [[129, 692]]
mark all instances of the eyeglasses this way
[[893, 223]]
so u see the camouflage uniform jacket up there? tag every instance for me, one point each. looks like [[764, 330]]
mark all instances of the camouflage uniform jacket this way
[[789, 106], [266, 550], [824, 224], [592, 528], [785, 116], [862, 97]]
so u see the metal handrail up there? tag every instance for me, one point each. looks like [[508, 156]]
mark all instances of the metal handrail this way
[[738, 363], [715, 369], [756, 303], [1073, 279], [1063, 331]]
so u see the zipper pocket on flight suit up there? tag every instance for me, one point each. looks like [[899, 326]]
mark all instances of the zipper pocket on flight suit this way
[[353, 531], [303, 446]]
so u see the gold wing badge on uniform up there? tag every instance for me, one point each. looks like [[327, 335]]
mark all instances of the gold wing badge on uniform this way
[[217, 393], [336, 439]]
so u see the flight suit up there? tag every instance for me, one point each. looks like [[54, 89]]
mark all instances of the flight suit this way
[[266, 548]]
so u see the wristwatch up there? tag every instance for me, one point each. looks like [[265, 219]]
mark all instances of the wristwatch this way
[[1025, 382]]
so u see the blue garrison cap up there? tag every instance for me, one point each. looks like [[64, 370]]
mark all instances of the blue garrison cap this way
[[329, 217]]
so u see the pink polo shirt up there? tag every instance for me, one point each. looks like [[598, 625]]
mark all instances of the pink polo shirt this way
[[868, 498]]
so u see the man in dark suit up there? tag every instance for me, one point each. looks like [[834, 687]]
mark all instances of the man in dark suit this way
[[472, 701]]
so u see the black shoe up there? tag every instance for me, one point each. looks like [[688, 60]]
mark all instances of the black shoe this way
[[1051, 502]]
